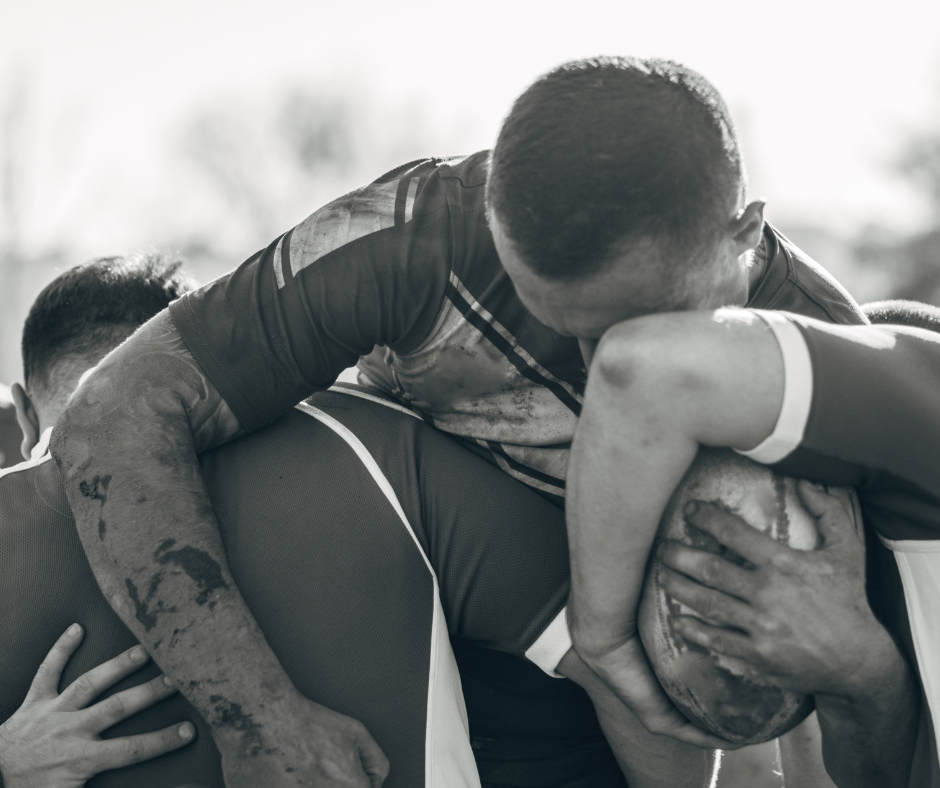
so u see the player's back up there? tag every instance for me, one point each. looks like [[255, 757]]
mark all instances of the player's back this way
[[331, 570], [296, 568], [46, 584]]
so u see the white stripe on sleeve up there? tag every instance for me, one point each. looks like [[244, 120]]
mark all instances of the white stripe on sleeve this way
[[797, 391], [549, 648], [919, 565]]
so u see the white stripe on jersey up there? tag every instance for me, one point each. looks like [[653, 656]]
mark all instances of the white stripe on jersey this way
[[410, 198], [522, 476], [482, 311], [919, 565], [373, 398], [278, 262], [353, 216], [25, 465], [552, 645], [449, 761]]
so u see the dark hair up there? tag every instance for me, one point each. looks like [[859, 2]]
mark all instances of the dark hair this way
[[91, 308], [904, 313], [612, 150]]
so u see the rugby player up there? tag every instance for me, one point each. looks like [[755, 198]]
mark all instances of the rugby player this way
[[465, 288], [848, 406], [343, 578]]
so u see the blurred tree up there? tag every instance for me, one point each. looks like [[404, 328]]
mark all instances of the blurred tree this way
[[913, 260], [20, 267], [317, 132], [267, 160], [920, 162]]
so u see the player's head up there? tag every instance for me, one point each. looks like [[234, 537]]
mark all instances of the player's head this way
[[616, 189], [78, 319], [904, 313]]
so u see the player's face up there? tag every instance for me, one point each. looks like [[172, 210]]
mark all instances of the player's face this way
[[635, 284]]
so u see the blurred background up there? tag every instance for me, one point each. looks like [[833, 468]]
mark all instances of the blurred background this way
[[210, 127]]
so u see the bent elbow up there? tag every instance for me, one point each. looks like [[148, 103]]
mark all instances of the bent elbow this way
[[629, 353]]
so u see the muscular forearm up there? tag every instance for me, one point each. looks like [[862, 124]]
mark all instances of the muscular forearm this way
[[625, 461], [868, 733], [126, 447], [656, 391]]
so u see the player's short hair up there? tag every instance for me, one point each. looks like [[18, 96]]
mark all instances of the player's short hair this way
[[608, 151], [90, 309], [904, 313]]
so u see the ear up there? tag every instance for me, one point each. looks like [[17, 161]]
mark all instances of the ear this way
[[746, 228], [27, 418]]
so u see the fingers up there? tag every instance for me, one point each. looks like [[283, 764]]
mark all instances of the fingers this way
[[46, 682], [709, 569], [374, 762], [90, 685], [715, 639], [731, 531], [712, 605], [633, 681], [836, 512], [127, 750], [124, 704]]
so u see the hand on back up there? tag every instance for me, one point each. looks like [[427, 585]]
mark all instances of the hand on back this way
[[53, 741]]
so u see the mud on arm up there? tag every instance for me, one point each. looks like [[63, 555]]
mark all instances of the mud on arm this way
[[126, 447]]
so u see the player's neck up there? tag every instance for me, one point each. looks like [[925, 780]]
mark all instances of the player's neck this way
[[51, 406]]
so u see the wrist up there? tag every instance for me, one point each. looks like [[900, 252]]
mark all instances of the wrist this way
[[594, 641], [241, 716], [874, 679]]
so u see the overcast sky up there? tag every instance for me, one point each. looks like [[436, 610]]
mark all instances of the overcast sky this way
[[824, 92]]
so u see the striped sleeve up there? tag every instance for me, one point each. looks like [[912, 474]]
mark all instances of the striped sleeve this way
[[369, 268], [860, 409], [797, 391]]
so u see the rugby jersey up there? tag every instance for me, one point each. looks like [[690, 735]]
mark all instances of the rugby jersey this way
[[360, 538], [861, 409], [402, 277]]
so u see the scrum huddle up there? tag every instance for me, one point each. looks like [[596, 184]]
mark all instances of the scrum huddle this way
[[627, 480]]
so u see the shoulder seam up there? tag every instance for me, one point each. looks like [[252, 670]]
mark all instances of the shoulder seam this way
[[448, 171], [25, 465]]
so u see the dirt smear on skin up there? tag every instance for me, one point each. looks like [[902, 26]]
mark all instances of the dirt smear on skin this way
[[230, 715], [97, 489], [142, 610], [204, 570]]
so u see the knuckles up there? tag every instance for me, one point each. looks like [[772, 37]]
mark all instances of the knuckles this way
[[83, 685], [710, 570], [133, 749], [114, 706]]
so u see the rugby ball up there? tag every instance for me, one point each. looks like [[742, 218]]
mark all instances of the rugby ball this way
[[720, 694]]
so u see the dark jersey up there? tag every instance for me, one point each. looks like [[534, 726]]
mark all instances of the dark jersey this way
[[360, 538], [10, 435], [861, 409], [402, 278]]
